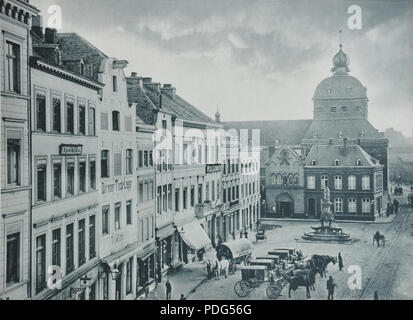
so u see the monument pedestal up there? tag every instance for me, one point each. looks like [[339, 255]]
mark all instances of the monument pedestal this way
[[324, 233]]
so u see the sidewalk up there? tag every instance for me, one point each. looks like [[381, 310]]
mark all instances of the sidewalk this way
[[183, 282]]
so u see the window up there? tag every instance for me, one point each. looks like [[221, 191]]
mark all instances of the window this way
[[129, 212], [82, 120], [91, 122], [13, 67], [140, 159], [207, 191], [338, 205], [69, 118], [352, 205], [106, 287], [185, 198], [81, 242], [118, 206], [92, 237], [213, 190], [105, 220], [41, 182], [115, 121], [145, 159], [311, 182], [92, 174], [170, 197], [104, 121], [128, 124], [358, 162], [200, 194], [344, 109], [56, 247], [129, 161], [69, 249], [192, 196], [150, 158], [70, 178], [324, 182], [338, 182], [365, 182], [150, 191], [164, 197], [352, 182], [13, 259], [57, 180], [365, 205], [40, 112], [104, 164], [40, 263], [158, 200], [115, 84], [129, 275], [118, 164], [82, 176], [336, 162], [13, 161], [333, 109], [177, 200], [56, 105]]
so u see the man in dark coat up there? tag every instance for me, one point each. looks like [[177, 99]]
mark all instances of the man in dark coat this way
[[340, 262], [168, 290], [330, 288]]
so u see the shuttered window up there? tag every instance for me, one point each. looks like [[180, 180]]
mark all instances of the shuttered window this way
[[118, 164]]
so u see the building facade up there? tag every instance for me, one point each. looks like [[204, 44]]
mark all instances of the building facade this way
[[65, 197], [15, 217], [354, 178], [285, 182]]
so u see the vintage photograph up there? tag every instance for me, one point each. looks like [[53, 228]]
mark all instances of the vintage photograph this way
[[206, 150]]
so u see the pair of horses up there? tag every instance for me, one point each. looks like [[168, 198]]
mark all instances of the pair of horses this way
[[304, 273], [218, 266]]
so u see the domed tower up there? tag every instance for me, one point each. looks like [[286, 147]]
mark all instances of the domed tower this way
[[217, 116], [340, 96]]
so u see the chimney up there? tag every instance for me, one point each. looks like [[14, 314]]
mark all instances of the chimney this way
[[50, 36], [147, 80], [37, 25], [133, 74], [169, 91]]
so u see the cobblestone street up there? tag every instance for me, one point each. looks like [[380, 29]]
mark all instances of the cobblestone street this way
[[383, 269]]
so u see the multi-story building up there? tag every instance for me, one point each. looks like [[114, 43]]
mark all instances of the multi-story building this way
[[65, 155], [180, 155], [146, 208], [285, 182], [354, 178], [15, 221]]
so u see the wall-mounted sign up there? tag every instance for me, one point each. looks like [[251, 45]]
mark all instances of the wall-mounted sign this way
[[70, 149], [211, 168], [116, 186]]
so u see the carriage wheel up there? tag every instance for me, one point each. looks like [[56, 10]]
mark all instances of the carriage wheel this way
[[274, 291], [242, 289]]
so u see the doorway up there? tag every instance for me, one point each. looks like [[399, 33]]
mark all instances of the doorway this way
[[286, 209], [311, 207]]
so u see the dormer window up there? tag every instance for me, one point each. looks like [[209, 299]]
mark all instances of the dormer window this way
[[348, 89], [333, 109], [336, 162], [313, 163], [357, 108], [344, 109], [115, 84], [358, 162], [82, 68]]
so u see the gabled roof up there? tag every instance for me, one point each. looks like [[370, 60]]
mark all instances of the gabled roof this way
[[288, 132], [277, 152], [326, 155]]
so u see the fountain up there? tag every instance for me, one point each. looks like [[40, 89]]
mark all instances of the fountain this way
[[332, 232]]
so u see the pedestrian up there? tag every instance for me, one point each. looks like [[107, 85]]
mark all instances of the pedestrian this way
[[340, 262], [182, 297], [376, 295], [330, 288], [246, 234], [168, 289]]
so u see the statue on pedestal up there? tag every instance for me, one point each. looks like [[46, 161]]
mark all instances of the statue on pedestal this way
[[326, 213]]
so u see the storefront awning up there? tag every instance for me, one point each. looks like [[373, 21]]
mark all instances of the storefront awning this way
[[194, 235]]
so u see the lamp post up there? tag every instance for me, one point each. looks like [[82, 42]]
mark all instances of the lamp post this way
[[84, 283]]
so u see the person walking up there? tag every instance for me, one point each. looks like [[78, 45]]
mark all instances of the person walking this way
[[168, 289], [340, 262], [330, 288]]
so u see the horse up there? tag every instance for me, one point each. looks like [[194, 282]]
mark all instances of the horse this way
[[321, 262], [379, 238], [219, 266], [301, 278]]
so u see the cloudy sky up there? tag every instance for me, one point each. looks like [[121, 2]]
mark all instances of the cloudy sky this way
[[256, 59]]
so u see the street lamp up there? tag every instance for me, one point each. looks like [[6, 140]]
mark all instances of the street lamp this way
[[115, 272], [84, 282]]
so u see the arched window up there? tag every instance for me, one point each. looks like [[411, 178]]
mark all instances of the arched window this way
[[279, 179], [273, 179], [290, 179], [296, 179], [336, 162]]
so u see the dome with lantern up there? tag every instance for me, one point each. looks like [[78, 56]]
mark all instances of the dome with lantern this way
[[340, 85]]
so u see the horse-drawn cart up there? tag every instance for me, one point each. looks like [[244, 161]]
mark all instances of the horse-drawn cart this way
[[236, 252]]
